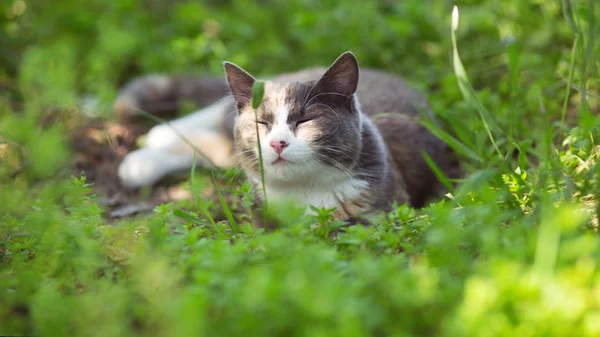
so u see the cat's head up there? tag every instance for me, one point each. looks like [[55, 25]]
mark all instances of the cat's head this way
[[306, 128]]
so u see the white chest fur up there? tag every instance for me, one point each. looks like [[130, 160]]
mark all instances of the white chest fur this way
[[326, 191]]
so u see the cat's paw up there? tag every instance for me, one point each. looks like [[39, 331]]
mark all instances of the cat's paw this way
[[162, 136], [143, 167]]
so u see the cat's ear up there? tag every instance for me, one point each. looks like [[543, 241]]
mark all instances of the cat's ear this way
[[240, 84], [342, 76]]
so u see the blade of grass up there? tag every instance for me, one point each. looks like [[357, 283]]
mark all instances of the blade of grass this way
[[186, 216], [591, 31], [567, 10], [455, 144], [200, 203], [514, 63], [258, 91], [514, 60], [570, 79], [461, 132], [586, 52], [438, 172], [465, 86], [226, 209]]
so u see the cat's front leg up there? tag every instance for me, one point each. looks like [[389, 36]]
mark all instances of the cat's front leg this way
[[148, 165], [171, 147]]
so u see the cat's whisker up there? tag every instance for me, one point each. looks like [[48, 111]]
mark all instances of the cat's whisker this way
[[243, 152], [333, 149], [336, 165], [327, 93], [230, 113], [360, 174], [230, 96], [310, 92], [327, 106]]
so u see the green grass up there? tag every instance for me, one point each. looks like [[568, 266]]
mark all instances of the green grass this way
[[258, 91], [513, 251]]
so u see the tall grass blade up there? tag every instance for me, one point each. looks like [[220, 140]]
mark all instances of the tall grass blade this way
[[455, 144], [199, 202], [570, 79], [514, 63], [437, 171], [226, 209], [464, 84], [258, 91], [567, 10]]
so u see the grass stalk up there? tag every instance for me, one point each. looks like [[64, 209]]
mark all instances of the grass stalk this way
[[258, 91], [464, 84]]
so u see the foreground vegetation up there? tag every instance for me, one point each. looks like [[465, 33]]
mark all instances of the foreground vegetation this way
[[513, 251]]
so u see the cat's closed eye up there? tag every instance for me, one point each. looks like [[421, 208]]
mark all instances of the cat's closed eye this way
[[300, 122], [263, 123]]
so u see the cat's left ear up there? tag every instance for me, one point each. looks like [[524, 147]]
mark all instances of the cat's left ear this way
[[341, 78], [240, 84]]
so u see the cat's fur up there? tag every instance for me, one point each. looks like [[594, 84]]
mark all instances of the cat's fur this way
[[352, 141]]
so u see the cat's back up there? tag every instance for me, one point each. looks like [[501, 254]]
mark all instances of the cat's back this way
[[379, 92]]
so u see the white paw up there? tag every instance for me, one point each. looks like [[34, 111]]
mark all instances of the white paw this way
[[162, 136], [144, 167]]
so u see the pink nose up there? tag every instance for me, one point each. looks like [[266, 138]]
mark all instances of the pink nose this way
[[278, 146]]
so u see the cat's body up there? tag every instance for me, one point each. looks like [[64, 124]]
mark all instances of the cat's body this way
[[335, 140]]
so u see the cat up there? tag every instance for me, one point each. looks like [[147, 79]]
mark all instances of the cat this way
[[339, 137]]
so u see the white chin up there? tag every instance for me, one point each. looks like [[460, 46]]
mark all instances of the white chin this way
[[285, 171]]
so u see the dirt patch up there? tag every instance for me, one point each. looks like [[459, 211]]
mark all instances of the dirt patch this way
[[99, 147]]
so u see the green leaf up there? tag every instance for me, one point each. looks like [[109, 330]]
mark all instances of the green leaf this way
[[186, 216], [258, 91]]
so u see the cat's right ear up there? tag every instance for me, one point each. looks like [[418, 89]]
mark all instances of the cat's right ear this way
[[240, 84]]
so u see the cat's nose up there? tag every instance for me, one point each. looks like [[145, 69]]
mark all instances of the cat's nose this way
[[278, 146]]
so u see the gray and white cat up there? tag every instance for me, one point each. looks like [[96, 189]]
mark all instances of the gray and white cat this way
[[338, 137]]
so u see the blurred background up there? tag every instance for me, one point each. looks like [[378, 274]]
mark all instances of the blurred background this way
[[60, 51]]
